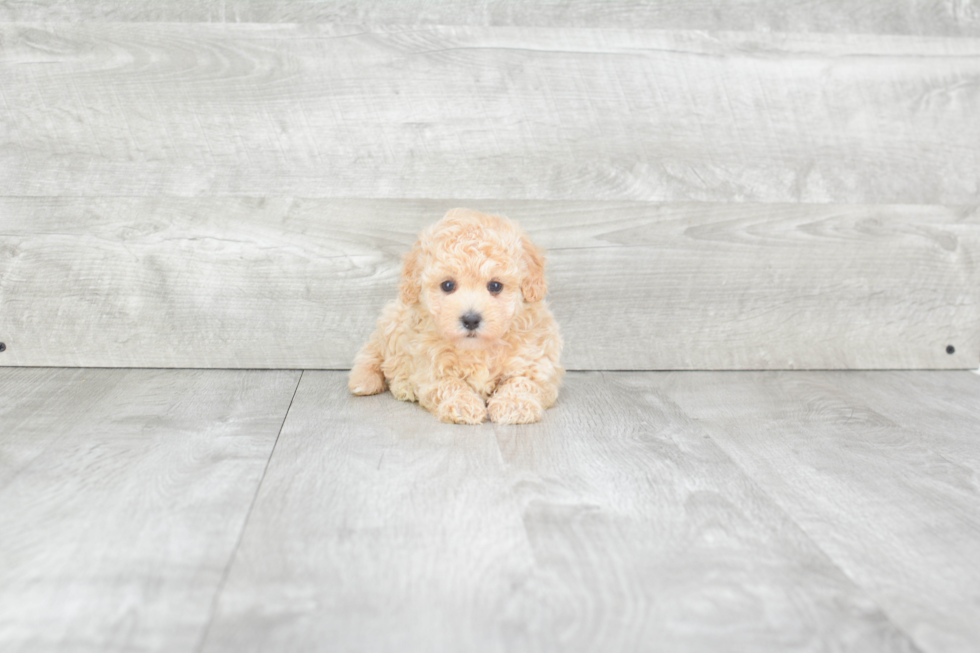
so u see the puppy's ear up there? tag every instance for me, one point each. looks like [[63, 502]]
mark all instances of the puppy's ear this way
[[533, 285], [411, 282]]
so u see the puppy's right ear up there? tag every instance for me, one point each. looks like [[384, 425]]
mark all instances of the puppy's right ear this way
[[411, 282]]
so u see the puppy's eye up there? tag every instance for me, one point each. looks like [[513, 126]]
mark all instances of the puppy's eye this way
[[495, 287], [448, 286]]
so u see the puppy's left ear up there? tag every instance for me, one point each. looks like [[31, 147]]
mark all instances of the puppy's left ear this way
[[533, 285], [411, 282]]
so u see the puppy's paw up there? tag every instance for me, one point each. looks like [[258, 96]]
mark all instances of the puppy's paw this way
[[465, 408], [366, 380], [401, 390], [514, 408]]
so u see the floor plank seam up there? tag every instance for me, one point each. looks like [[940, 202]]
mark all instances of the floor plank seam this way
[[760, 488], [917, 648], [248, 515]]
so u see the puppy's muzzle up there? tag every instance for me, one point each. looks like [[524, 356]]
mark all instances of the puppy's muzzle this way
[[471, 321]]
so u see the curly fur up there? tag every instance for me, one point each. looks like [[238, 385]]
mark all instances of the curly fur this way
[[507, 369]]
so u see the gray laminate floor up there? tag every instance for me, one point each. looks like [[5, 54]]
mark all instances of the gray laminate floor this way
[[153, 510]]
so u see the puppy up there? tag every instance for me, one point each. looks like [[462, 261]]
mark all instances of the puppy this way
[[469, 336]]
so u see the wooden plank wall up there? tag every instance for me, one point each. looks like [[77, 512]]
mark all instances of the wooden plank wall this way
[[921, 17], [721, 185]]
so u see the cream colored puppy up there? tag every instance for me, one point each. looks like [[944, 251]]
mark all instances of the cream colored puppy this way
[[469, 336]]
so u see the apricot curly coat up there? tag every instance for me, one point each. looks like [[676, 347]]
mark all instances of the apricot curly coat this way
[[470, 335]]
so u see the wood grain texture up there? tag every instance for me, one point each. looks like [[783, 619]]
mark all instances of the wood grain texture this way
[[123, 496], [299, 283], [879, 469], [322, 110], [924, 17], [615, 524]]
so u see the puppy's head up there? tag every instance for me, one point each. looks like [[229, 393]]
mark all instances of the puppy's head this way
[[473, 273]]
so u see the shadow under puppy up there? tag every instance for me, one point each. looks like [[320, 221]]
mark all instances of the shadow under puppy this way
[[469, 336]]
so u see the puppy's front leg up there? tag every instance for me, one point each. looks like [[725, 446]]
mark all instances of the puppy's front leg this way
[[366, 377], [451, 400], [517, 400]]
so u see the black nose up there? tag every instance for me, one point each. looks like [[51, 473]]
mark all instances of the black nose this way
[[471, 321]]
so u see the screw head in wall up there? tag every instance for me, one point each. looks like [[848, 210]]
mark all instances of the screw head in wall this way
[[3, 346], [950, 349]]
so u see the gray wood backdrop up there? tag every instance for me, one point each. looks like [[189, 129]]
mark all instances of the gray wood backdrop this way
[[720, 185]]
